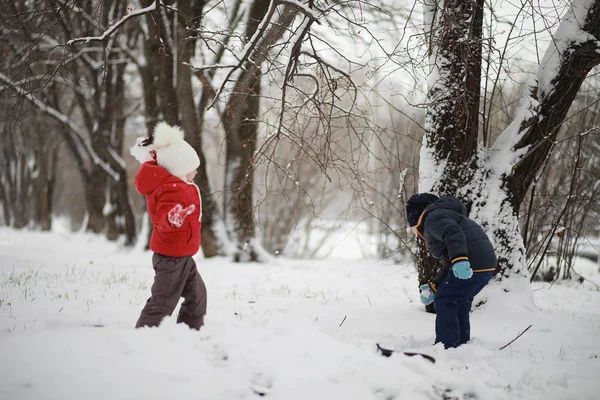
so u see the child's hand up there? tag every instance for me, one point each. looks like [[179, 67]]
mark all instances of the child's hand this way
[[143, 150], [177, 214], [462, 270], [427, 295]]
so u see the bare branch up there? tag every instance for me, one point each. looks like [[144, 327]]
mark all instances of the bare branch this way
[[113, 28]]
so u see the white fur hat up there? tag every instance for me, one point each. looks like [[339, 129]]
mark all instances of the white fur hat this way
[[172, 152]]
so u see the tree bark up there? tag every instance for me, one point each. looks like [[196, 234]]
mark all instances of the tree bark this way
[[240, 120], [192, 121], [241, 135], [45, 153], [95, 195], [211, 244], [452, 120], [159, 56]]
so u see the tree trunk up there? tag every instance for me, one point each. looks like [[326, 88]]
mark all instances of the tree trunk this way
[[160, 97], [45, 150], [554, 95], [158, 53], [240, 120], [211, 244], [4, 202], [124, 216], [452, 122], [427, 268], [151, 115], [16, 178], [95, 195], [241, 134], [5, 184], [192, 123]]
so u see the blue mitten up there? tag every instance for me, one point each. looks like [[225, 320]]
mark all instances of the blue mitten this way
[[462, 269], [427, 295]]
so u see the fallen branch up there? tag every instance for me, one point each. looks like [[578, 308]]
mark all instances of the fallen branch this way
[[512, 341], [345, 316]]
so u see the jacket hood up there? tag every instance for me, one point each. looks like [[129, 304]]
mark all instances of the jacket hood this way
[[150, 176], [449, 203]]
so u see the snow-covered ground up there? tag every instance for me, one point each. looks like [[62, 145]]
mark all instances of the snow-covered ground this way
[[291, 329]]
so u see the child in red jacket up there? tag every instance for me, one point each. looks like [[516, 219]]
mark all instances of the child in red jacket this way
[[175, 209]]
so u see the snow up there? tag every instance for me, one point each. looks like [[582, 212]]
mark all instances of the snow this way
[[293, 329], [510, 136]]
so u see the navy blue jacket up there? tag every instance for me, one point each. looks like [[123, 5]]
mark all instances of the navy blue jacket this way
[[451, 236]]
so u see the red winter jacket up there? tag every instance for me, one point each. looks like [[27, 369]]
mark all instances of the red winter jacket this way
[[164, 191]]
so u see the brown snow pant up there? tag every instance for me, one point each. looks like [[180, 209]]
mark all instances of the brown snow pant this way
[[175, 277]]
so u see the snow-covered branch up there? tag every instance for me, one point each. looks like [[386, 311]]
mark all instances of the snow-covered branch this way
[[138, 59], [571, 34], [524, 146], [114, 27], [210, 67]]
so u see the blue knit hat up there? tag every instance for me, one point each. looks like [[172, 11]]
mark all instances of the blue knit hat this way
[[416, 205]]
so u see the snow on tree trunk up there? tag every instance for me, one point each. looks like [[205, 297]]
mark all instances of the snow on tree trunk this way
[[451, 124], [492, 208]]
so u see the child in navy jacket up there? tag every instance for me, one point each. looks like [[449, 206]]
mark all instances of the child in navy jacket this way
[[467, 257]]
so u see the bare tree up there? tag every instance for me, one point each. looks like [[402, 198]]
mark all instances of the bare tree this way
[[260, 38], [81, 90]]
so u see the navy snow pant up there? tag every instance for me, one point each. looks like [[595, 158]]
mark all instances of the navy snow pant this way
[[452, 306], [175, 277]]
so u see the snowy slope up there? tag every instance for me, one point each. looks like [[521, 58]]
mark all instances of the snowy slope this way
[[290, 329]]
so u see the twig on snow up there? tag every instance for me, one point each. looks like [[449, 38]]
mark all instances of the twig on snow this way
[[342, 321], [511, 342]]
